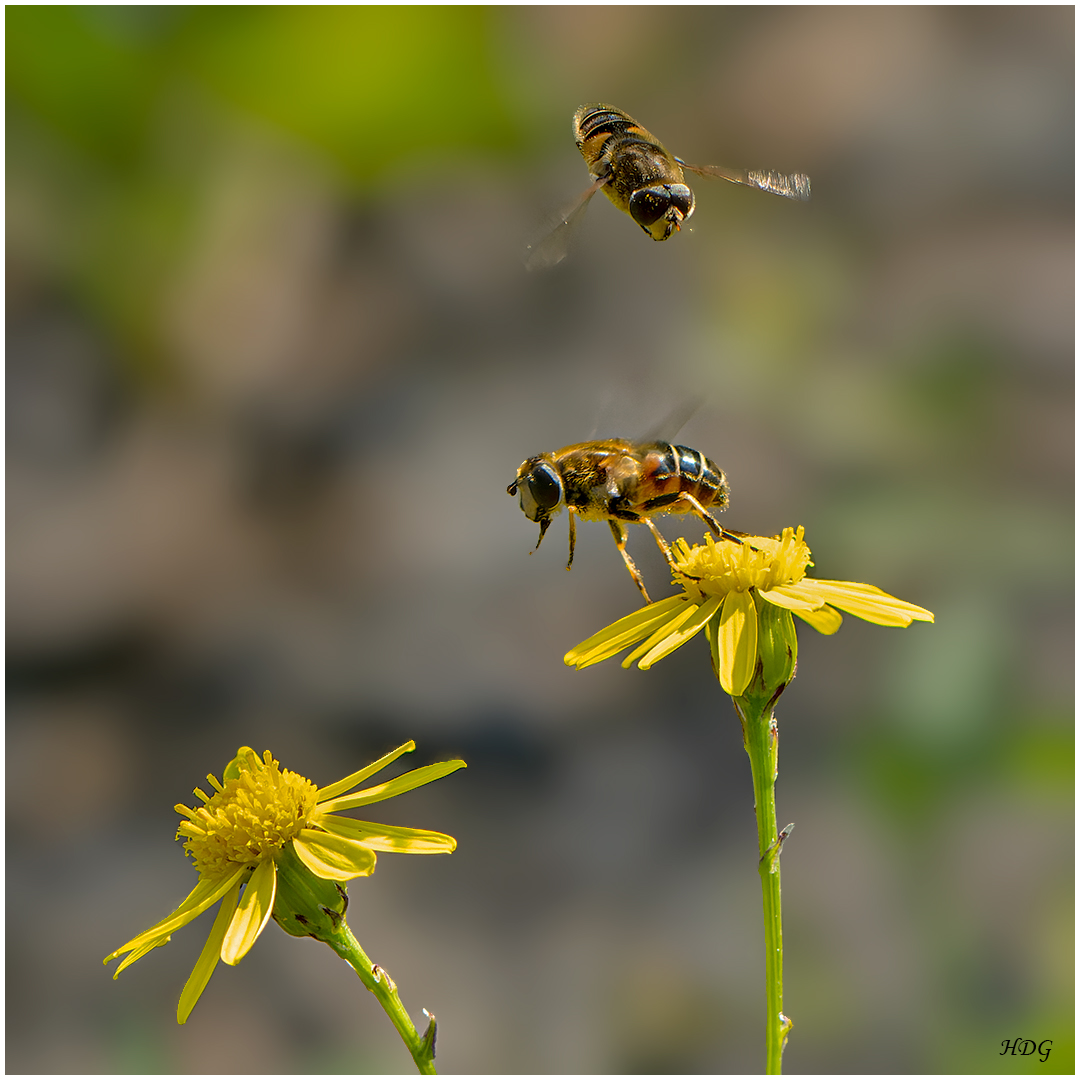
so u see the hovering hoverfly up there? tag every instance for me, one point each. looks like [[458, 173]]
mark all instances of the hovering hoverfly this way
[[618, 481], [635, 171]]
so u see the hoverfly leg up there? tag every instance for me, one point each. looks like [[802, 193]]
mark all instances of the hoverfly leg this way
[[573, 536], [544, 523], [665, 548], [721, 532], [618, 530], [685, 496]]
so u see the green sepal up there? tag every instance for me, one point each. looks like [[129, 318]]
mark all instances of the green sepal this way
[[778, 646], [307, 905], [777, 652]]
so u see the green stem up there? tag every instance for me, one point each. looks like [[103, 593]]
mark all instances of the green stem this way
[[382, 986], [760, 739]]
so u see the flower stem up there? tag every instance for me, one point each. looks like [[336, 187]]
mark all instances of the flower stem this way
[[760, 738], [422, 1047]]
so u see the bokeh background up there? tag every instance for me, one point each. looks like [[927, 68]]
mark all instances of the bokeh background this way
[[272, 360]]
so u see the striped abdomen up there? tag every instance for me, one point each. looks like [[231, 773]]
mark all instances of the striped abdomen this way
[[669, 470], [601, 122], [603, 132]]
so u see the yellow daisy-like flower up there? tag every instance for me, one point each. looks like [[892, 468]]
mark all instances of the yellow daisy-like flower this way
[[260, 816], [733, 591]]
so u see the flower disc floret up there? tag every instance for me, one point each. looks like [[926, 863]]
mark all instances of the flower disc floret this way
[[250, 817], [762, 562]]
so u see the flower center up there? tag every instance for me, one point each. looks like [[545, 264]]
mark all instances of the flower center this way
[[250, 818], [759, 562]]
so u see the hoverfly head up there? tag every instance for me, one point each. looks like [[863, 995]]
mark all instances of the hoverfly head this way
[[540, 490], [661, 209]]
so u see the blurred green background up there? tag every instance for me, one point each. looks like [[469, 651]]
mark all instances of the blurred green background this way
[[271, 362]]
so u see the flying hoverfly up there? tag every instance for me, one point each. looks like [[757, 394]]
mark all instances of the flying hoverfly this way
[[643, 179], [619, 481]]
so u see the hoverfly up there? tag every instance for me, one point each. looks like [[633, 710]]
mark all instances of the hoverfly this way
[[619, 481], [643, 179]]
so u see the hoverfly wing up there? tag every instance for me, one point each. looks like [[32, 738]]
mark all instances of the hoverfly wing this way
[[674, 420], [790, 185], [551, 247]]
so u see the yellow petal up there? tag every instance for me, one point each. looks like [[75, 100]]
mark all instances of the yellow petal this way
[[792, 598], [868, 602], [335, 858], [626, 631], [826, 620], [737, 642], [682, 635], [671, 624], [252, 913], [712, 634], [405, 782], [138, 954], [386, 837], [208, 958], [204, 895], [359, 777]]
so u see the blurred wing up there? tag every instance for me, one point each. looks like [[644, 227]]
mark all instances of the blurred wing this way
[[677, 417], [550, 249], [790, 185], [621, 408]]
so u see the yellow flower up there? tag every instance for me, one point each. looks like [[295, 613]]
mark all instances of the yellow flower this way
[[728, 590], [260, 816]]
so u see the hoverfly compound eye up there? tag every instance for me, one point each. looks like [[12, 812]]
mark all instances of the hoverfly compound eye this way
[[682, 199], [541, 492], [649, 205], [660, 209]]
